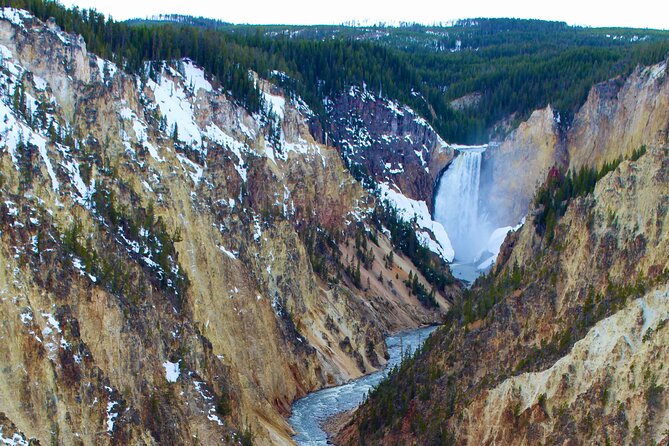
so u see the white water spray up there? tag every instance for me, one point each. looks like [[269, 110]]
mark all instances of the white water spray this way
[[457, 205]]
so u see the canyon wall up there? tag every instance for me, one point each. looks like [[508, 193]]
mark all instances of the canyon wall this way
[[174, 267]]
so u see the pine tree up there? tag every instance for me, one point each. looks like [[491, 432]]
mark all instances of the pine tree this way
[[175, 133]]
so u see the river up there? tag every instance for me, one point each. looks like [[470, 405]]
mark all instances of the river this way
[[312, 410]]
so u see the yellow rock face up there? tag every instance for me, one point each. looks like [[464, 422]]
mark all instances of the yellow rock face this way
[[612, 379], [618, 117], [514, 169], [621, 116]]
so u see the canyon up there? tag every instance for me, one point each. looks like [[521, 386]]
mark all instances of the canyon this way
[[154, 229], [177, 269]]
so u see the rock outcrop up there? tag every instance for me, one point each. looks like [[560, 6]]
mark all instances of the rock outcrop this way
[[612, 270], [619, 116], [387, 141], [533, 148]]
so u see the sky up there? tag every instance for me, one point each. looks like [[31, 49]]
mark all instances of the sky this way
[[639, 14]]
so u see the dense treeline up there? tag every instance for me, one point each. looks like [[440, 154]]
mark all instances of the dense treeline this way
[[553, 198], [514, 66], [403, 237], [203, 22], [131, 46]]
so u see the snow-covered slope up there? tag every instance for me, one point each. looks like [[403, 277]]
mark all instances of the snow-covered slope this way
[[387, 141], [432, 233]]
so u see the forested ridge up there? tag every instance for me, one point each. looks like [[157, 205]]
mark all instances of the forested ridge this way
[[511, 66], [516, 66]]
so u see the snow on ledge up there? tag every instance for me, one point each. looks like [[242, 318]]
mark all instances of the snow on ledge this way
[[196, 76], [172, 371], [438, 241], [15, 16], [275, 103], [494, 245], [227, 252], [15, 440]]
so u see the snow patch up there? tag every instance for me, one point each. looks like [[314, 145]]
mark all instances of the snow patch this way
[[275, 103], [141, 132], [257, 229], [172, 371], [419, 154], [214, 133], [26, 317], [494, 244], [106, 68], [12, 132], [15, 16], [303, 147], [85, 192], [40, 84], [407, 209], [15, 440], [231, 254], [177, 109], [12, 210], [195, 77], [208, 398], [195, 171], [395, 108], [147, 186], [76, 262], [111, 416]]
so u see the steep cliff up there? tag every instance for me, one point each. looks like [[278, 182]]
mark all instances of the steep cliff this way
[[174, 267], [396, 155], [533, 148], [619, 116], [388, 142]]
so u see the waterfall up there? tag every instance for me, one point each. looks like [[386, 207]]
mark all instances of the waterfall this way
[[456, 205]]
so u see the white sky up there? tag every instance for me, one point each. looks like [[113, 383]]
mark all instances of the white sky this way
[[638, 14]]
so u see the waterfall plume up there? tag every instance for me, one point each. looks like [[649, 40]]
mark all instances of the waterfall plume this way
[[457, 205]]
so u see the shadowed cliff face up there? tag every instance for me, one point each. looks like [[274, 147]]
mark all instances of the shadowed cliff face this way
[[173, 268], [388, 141]]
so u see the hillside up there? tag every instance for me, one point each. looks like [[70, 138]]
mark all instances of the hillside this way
[[174, 266], [467, 78], [502, 70]]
